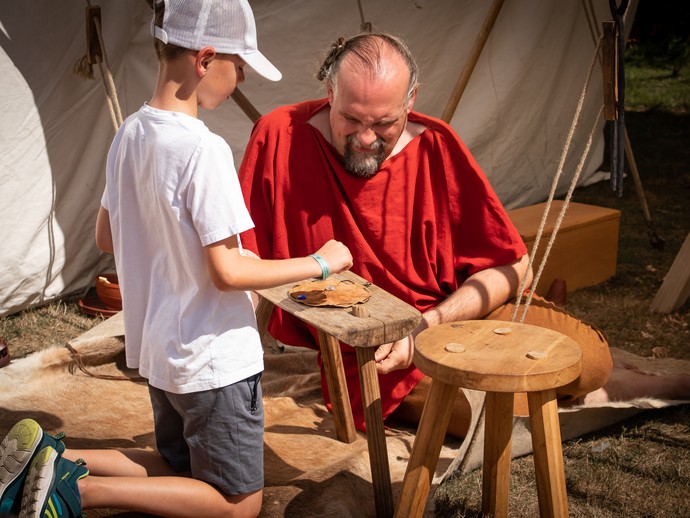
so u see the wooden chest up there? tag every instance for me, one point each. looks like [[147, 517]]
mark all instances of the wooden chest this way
[[586, 247]]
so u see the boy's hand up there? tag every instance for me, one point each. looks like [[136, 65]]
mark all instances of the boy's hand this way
[[337, 255]]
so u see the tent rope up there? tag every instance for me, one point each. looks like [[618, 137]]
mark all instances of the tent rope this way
[[554, 186], [561, 214], [79, 362], [107, 78], [84, 68], [364, 25]]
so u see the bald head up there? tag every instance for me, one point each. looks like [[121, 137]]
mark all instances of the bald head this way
[[376, 56]]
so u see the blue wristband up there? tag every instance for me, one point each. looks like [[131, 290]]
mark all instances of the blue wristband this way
[[325, 272]]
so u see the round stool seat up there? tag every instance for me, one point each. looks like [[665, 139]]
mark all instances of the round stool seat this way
[[496, 356]]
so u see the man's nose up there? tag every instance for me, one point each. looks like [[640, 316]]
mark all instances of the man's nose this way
[[366, 137]]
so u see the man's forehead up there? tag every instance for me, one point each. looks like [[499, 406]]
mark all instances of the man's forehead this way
[[381, 97]]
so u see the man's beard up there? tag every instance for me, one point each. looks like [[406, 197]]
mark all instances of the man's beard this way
[[363, 165]]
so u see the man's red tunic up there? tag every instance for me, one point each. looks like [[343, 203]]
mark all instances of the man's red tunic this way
[[417, 229]]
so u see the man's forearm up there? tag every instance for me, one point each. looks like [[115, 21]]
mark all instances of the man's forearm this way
[[480, 294]]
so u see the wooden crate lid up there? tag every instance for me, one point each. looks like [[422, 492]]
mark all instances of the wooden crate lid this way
[[527, 219]]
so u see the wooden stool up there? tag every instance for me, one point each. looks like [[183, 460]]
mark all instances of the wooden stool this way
[[382, 319], [501, 358]]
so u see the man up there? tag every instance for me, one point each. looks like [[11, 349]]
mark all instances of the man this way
[[406, 197]]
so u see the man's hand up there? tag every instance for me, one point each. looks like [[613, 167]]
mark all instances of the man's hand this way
[[399, 355], [393, 356]]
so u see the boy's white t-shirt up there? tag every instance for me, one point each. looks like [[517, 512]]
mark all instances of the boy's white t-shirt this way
[[171, 188]]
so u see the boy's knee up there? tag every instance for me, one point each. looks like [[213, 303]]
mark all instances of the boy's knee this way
[[247, 505]]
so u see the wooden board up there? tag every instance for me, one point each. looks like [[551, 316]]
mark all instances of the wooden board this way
[[389, 319], [585, 250], [675, 289]]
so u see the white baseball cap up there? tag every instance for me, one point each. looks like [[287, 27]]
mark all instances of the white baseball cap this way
[[226, 25]]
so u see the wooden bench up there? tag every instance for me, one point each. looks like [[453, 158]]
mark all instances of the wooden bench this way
[[382, 319]]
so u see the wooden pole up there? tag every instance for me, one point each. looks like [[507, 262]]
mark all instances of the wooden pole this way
[[472, 59], [655, 240], [246, 106]]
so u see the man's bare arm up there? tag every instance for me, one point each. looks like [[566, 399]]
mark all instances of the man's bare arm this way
[[480, 294]]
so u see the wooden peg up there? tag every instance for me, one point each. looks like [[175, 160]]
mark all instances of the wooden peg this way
[[94, 52], [360, 310], [609, 68]]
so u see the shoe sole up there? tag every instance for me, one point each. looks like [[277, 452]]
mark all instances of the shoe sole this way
[[16, 451], [39, 480]]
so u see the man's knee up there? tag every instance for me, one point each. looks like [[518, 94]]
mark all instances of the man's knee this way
[[596, 356]]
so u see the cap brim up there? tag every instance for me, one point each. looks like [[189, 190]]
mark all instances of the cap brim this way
[[262, 66]]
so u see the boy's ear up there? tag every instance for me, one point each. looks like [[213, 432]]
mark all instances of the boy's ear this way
[[203, 60]]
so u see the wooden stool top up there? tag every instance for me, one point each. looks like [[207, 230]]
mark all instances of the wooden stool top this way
[[386, 318], [497, 356]]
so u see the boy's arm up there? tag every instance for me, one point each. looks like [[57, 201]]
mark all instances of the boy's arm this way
[[104, 237], [230, 270]]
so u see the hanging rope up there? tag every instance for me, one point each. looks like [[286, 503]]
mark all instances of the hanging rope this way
[[554, 186], [364, 26], [96, 53]]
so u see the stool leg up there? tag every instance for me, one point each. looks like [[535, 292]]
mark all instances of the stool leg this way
[[426, 449], [498, 429], [376, 434], [548, 454], [337, 388]]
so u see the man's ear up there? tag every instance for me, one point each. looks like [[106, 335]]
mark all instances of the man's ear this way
[[203, 60], [330, 96], [413, 98]]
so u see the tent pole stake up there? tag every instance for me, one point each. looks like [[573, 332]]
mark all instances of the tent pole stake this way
[[472, 59]]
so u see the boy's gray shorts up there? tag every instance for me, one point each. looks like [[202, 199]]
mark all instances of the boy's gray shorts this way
[[216, 435]]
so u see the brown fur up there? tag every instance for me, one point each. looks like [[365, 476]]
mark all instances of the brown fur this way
[[308, 472]]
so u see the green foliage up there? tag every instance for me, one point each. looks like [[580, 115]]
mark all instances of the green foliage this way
[[650, 87]]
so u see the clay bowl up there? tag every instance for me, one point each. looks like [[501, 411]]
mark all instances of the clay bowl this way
[[108, 290]]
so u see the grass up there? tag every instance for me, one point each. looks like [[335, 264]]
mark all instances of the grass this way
[[39, 328], [640, 468]]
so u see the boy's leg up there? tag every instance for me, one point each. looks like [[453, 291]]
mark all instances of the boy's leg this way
[[217, 436], [123, 463], [222, 435], [166, 496]]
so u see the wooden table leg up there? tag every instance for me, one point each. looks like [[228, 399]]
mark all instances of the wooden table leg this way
[[548, 453], [426, 450], [498, 430], [337, 388], [376, 434]]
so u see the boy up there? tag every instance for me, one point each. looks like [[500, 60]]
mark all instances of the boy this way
[[171, 213]]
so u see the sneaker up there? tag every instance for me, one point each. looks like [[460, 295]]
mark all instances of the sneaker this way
[[16, 451], [51, 488]]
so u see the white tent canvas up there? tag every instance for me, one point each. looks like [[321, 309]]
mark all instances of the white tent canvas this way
[[514, 115]]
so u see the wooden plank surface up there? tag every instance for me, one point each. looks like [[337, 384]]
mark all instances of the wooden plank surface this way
[[389, 318], [578, 215]]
